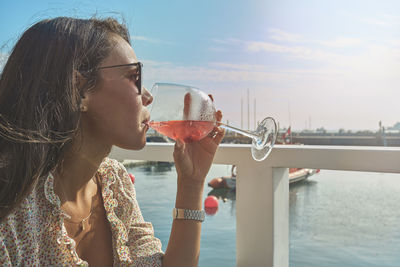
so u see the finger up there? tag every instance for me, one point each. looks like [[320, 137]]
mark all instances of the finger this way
[[187, 105], [217, 134], [213, 133], [179, 148], [220, 135], [218, 115], [212, 98]]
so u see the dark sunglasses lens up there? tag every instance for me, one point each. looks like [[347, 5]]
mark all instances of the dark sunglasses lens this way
[[139, 80]]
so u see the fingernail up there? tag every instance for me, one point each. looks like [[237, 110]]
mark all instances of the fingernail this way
[[179, 143]]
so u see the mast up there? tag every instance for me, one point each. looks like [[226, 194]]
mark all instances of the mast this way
[[248, 109], [255, 114], [241, 113], [290, 123], [290, 119]]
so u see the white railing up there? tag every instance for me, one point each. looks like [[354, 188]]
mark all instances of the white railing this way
[[262, 193]]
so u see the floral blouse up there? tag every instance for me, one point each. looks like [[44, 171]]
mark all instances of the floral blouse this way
[[35, 235]]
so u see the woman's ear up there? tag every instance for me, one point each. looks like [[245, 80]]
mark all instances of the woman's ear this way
[[79, 82]]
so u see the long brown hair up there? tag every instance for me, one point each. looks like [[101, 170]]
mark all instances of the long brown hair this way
[[40, 98]]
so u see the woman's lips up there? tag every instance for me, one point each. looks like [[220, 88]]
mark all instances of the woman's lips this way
[[146, 122]]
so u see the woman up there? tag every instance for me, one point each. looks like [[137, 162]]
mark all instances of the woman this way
[[71, 89]]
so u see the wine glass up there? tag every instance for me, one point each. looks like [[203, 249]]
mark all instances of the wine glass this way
[[186, 113]]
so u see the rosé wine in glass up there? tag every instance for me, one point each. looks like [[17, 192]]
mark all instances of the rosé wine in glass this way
[[185, 130]]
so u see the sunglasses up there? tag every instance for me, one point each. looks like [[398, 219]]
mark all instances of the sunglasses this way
[[138, 78]]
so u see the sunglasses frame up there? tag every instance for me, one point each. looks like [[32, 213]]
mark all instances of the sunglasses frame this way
[[139, 65]]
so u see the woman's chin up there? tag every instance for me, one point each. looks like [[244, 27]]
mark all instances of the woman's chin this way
[[133, 144], [142, 145]]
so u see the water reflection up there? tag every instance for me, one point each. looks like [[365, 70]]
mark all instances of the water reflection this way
[[302, 187], [158, 167], [345, 219]]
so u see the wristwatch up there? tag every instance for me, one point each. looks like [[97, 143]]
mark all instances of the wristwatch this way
[[197, 215]]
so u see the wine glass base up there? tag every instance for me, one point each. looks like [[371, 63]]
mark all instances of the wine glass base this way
[[260, 154], [262, 145]]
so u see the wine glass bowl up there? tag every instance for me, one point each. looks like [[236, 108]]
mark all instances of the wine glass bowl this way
[[184, 103], [181, 112], [188, 114]]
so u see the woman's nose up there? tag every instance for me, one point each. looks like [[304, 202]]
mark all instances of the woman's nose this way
[[147, 97]]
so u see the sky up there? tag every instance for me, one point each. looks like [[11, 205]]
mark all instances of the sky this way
[[308, 64]]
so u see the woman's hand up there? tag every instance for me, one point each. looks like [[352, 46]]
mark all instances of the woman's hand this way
[[193, 160]]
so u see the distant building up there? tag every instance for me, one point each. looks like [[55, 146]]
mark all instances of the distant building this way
[[395, 127]]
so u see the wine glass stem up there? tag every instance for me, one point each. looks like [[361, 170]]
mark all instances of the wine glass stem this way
[[239, 131]]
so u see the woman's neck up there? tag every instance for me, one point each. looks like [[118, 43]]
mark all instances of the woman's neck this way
[[74, 178]]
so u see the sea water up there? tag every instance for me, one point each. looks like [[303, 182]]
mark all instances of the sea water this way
[[336, 218]]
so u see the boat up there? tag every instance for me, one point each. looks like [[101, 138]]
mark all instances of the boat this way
[[300, 174], [229, 182], [295, 174]]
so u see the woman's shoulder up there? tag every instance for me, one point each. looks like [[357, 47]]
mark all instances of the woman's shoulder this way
[[118, 191], [113, 168], [113, 173], [108, 163]]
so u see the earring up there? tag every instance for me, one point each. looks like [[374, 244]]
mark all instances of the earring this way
[[83, 108]]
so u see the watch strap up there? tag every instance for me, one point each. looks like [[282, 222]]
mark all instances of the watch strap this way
[[184, 214]]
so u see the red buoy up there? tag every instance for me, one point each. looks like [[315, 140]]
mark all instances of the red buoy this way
[[132, 178], [211, 205]]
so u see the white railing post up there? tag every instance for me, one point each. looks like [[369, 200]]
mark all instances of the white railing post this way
[[281, 217], [262, 215]]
